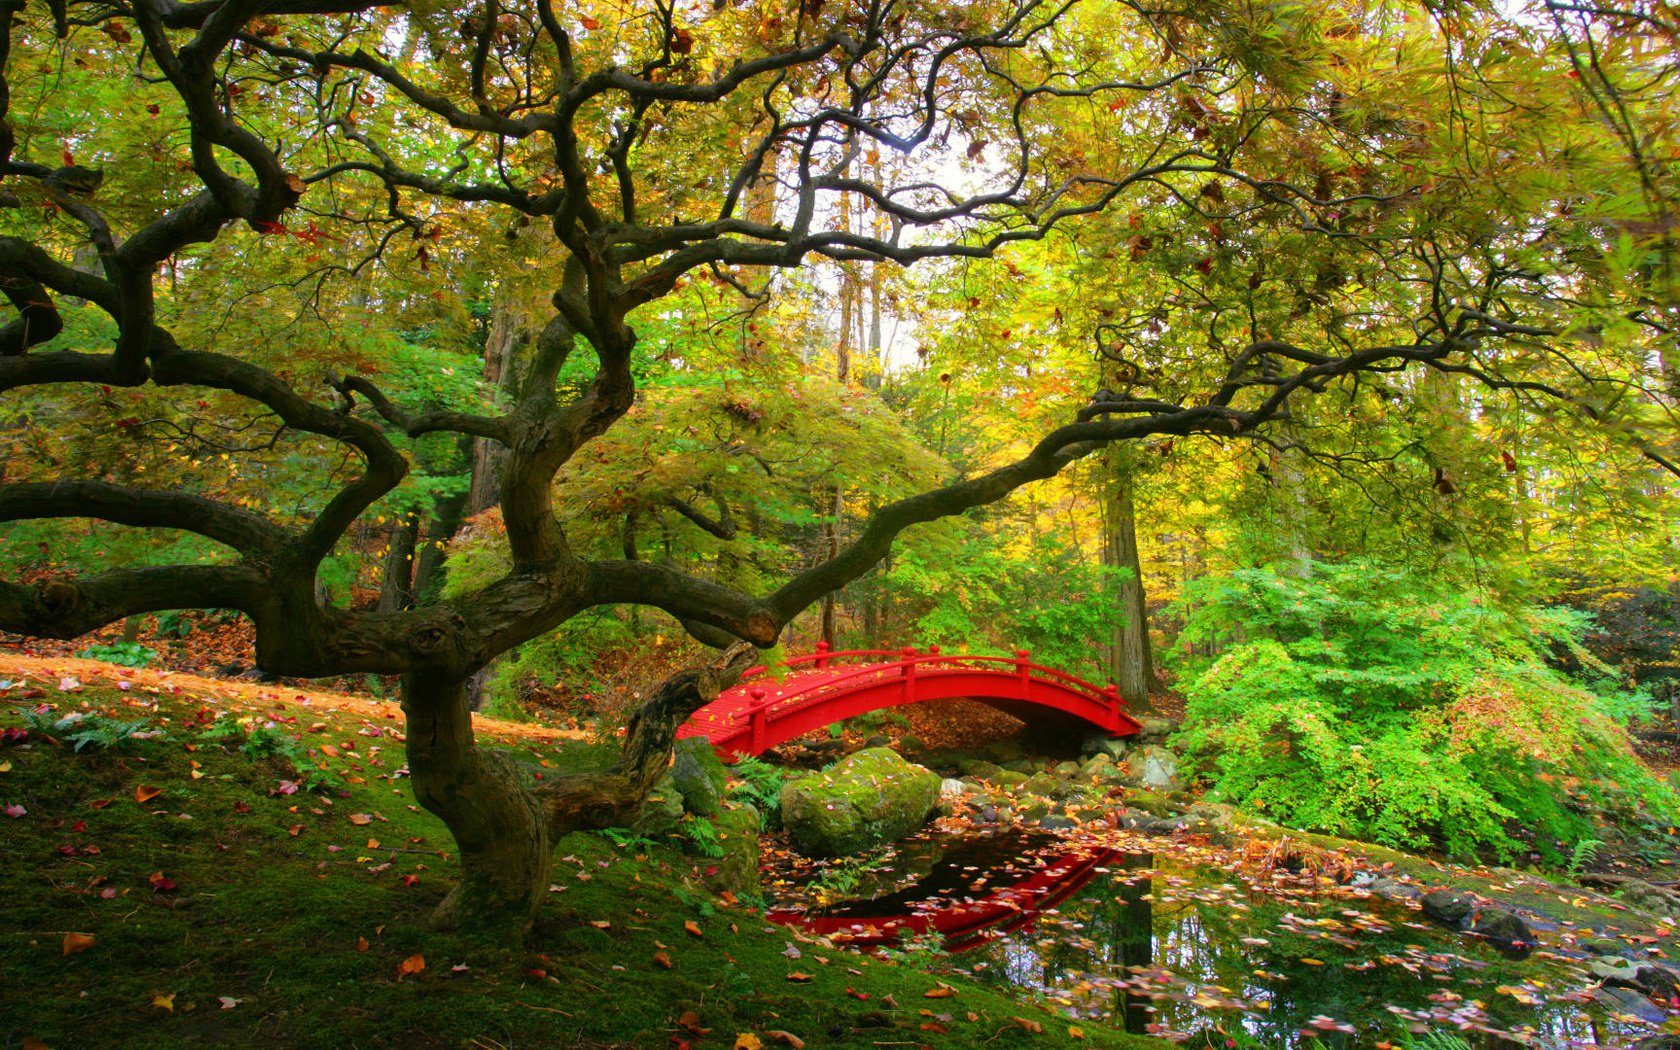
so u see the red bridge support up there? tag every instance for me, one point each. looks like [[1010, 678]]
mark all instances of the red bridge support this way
[[826, 687]]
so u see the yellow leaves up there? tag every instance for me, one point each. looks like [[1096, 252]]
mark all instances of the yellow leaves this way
[[77, 942], [359, 819], [411, 965], [944, 991], [1075, 1032], [747, 1041], [145, 793], [164, 1002]]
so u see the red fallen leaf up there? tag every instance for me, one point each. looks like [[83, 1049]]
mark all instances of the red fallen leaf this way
[[413, 964], [361, 944], [692, 927], [934, 1027], [410, 880], [108, 893], [80, 825], [242, 806], [14, 811], [862, 997], [67, 851], [145, 793], [162, 883], [661, 959], [798, 978], [295, 830], [690, 1023], [77, 942]]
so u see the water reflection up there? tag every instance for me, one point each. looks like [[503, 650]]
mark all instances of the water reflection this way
[[1161, 944]]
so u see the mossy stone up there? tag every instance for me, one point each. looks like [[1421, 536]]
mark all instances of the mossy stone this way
[[862, 801], [699, 776]]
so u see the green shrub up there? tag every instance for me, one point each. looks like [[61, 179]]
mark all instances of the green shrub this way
[[761, 784], [91, 729], [125, 654], [1368, 703]]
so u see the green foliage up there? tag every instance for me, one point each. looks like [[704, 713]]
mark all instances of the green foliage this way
[[702, 834], [1371, 703], [91, 729], [760, 784], [981, 593], [565, 655], [265, 740], [125, 654]]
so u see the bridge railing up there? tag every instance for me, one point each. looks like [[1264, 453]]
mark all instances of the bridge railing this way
[[906, 661]]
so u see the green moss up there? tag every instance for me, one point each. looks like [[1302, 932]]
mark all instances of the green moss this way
[[861, 801]]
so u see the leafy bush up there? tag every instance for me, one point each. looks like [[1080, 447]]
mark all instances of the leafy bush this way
[[91, 729], [1371, 703], [125, 654]]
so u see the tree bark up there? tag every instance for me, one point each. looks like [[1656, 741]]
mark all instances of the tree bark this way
[[396, 584], [1131, 661], [498, 822], [510, 333]]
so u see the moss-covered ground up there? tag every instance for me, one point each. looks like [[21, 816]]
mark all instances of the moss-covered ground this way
[[174, 891]]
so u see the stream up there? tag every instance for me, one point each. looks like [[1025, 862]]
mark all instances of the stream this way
[[1169, 938]]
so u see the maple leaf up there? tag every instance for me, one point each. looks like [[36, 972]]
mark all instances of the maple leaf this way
[[145, 793], [77, 942], [164, 1002], [413, 964]]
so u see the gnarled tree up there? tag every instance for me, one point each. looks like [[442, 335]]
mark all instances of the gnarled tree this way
[[635, 146]]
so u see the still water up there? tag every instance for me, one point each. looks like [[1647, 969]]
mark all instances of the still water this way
[[1165, 938]]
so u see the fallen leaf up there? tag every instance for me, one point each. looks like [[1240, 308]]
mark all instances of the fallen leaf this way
[[692, 927], [862, 997], [413, 964], [162, 883], [14, 811], [145, 793], [747, 1041], [798, 978], [77, 942], [944, 991], [360, 818], [228, 1002], [1075, 1032], [361, 944], [1029, 1024], [690, 1023], [662, 959], [788, 1038], [164, 1002], [934, 1027]]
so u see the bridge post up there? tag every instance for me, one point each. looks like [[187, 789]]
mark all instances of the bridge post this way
[[909, 666], [1023, 659], [822, 655], [760, 721], [1111, 695]]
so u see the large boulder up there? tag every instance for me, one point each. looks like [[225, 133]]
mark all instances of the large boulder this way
[[662, 810], [1449, 907], [862, 801], [699, 776], [737, 870], [1155, 768]]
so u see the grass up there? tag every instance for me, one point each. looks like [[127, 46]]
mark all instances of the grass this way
[[226, 913]]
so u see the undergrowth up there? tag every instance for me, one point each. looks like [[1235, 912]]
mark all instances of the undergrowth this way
[[1367, 703]]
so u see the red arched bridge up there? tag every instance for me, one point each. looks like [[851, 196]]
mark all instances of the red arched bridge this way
[[825, 687]]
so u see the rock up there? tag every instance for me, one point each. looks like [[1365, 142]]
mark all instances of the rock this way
[[1042, 784], [1066, 769], [1055, 823], [1036, 808], [661, 811], [1004, 751], [952, 787], [1098, 765], [987, 814], [1155, 768], [877, 741], [869, 798], [699, 776], [1153, 728], [737, 870], [1102, 744], [1648, 977], [1606, 946], [1008, 778], [1502, 928], [1448, 906], [978, 767], [1394, 890], [1151, 803], [1658, 1042], [1627, 1001]]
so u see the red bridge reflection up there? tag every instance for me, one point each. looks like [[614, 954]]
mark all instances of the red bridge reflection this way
[[1016, 896]]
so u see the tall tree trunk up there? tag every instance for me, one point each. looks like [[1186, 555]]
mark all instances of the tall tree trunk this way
[[447, 514], [510, 333], [396, 584], [843, 372], [1130, 660], [499, 825]]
